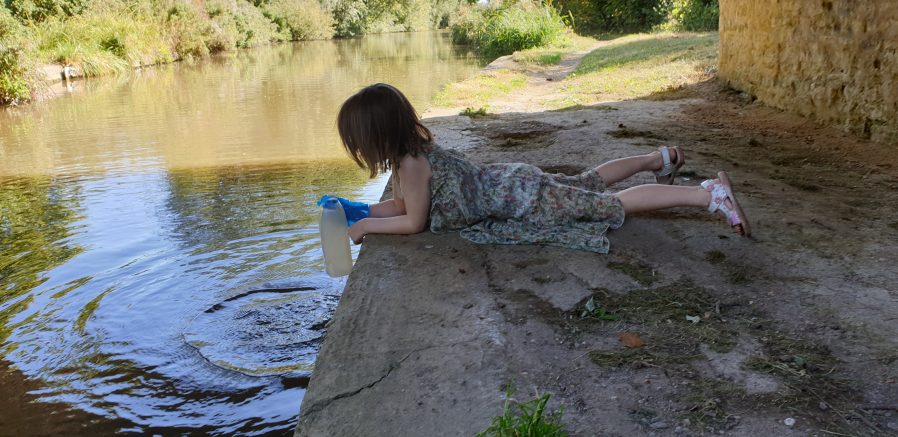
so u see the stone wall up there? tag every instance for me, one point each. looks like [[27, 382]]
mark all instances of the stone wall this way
[[835, 61]]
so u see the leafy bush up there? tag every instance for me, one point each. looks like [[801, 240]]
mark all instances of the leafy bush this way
[[351, 17], [300, 19], [591, 16], [597, 16], [14, 65], [694, 15], [467, 24], [253, 28], [443, 11], [510, 28], [355, 17], [40, 10]]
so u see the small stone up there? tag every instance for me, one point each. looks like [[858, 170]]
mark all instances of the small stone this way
[[823, 406], [892, 425], [678, 430], [659, 425], [790, 422]]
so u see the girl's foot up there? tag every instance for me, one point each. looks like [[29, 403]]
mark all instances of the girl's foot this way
[[724, 202], [671, 161]]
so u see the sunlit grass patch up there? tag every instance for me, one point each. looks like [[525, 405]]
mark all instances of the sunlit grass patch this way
[[102, 42], [480, 89], [642, 65], [554, 53], [530, 418], [513, 26]]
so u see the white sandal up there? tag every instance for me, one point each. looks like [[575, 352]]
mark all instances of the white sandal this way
[[668, 172], [721, 191]]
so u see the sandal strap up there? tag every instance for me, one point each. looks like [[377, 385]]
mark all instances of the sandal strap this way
[[718, 201], [666, 167]]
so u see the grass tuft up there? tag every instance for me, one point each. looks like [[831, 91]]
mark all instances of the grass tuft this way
[[526, 419], [474, 113]]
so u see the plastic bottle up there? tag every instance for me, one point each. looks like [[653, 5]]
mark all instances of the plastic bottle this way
[[335, 239]]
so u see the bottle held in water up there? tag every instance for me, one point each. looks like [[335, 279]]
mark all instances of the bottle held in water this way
[[334, 238]]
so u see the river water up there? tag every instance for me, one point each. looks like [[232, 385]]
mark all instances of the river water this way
[[159, 264]]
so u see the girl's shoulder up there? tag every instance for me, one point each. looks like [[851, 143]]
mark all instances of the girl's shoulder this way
[[413, 165]]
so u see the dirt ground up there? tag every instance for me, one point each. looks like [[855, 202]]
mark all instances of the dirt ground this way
[[791, 332]]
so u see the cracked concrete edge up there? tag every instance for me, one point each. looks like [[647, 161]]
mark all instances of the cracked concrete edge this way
[[415, 346]]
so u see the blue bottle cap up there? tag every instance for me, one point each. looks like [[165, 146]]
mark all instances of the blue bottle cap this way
[[331, 203]]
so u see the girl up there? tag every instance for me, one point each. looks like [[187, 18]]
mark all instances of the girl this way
[[504, 203]]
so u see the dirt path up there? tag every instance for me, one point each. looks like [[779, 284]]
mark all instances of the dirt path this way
[[543, 83], [792, 332]]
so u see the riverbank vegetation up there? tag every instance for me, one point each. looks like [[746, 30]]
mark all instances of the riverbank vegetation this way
[[639, 66], [515, 25], [98, 37], [511, 27]]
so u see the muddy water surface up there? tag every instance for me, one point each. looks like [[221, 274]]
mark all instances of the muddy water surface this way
[[159, 264]]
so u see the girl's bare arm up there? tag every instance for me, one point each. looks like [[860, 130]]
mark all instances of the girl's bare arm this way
[[387, 208], [415, 176]]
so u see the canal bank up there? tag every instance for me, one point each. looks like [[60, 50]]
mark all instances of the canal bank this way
[[785, 333]]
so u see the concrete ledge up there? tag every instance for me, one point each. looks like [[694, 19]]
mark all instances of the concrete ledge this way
[[412, 329]]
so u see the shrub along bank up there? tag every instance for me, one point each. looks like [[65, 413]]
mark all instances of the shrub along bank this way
[[512, 25], [508, 28], [108, 36], [604, 16]]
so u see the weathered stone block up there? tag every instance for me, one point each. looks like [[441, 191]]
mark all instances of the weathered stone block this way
[[832, 60]]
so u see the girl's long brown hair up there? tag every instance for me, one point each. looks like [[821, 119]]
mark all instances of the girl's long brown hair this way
[[378, 126]]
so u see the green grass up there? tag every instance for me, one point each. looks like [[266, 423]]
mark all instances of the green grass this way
[[477, 91], [15, 62], [514, 26], [555, 52], [526, 419], [474, 113], [641, 65]]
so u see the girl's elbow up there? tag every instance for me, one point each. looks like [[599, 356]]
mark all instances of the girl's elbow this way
[[418, 227]]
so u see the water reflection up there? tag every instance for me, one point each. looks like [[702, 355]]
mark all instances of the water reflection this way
[[136, 214], [251, 107]]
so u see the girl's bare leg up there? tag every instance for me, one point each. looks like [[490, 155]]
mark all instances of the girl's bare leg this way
[[652, 197], [620, 169]]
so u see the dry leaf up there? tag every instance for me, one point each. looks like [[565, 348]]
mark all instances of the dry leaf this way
[[630, 339]]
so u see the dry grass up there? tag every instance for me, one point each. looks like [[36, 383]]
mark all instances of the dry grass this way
[[640, 66], [477, 91]]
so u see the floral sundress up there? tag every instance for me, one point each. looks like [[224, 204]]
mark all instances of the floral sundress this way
[[520, 204]]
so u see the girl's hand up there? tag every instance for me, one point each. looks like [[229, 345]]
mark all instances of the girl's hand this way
[[357, 232]]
